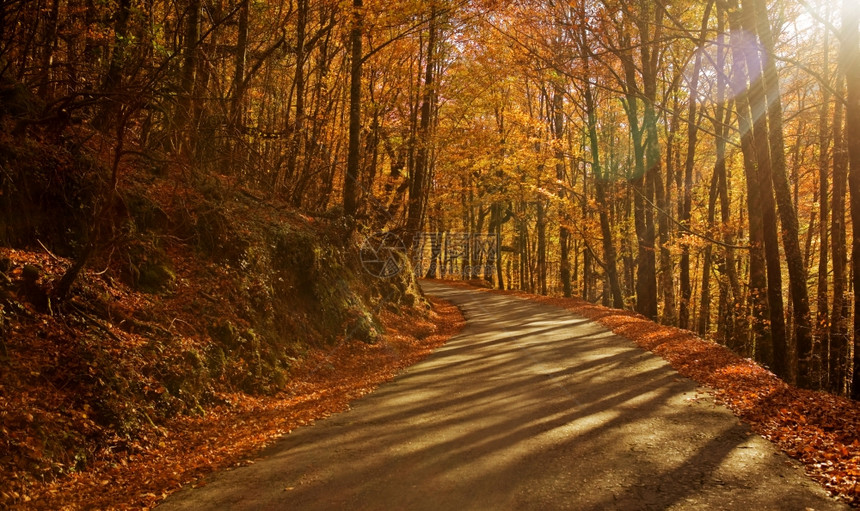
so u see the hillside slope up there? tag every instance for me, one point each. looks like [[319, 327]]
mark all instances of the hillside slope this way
[[195, 290]]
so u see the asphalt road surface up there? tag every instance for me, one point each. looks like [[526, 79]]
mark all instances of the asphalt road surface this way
[[530, 407]]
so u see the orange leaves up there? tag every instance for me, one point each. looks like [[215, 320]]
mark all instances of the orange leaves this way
[[187, 448]]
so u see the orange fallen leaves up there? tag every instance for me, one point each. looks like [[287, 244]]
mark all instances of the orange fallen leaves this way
[[322, 383]]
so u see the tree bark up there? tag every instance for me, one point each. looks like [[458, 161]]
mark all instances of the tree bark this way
[[600, 181], [415, 212], [822, 316], [561, 175], [851, 64], [653, 164], [350, 183], [835, 354], [689, 162], [189, 73], [775, 353], [642, 184], [788, 216], [239, 59], [541, 242], [297, 129], [113, 79], [757, 266]]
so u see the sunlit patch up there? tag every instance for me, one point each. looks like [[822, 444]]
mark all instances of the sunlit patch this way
[[745, 42], [820, 430]]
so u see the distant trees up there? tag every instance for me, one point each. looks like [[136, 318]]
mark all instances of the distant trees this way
[[682, 159], [691, 180]]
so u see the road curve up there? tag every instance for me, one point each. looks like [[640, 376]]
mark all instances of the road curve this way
[[530, 407]]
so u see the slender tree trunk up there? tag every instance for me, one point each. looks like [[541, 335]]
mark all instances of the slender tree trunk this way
[[561, 175], [643, 193], [237, 151], [648, 51], [297, 129], [757, 266], [498, 254], [822, 314], [435, 253], [541, 243], [113, 79], [705, 295], [49, 45], [189, 73], [600, 181], [835, 354], [721, 128], [669, 315], [417, 186], [350, 184], [689, 162], [788, 216], [851, 64], [239, 63]]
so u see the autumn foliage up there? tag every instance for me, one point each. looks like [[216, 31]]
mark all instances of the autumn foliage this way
[[184, 185], [137, 470]]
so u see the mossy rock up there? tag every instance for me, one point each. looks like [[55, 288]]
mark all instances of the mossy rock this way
[[150, 269], [225, 333], [216, 360], [363, 327], [156, 277], [147, 215], [295, 252]]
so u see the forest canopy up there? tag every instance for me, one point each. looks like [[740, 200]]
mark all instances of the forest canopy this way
[[695, 161]]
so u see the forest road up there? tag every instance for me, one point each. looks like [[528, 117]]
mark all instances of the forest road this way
[[529, 407]]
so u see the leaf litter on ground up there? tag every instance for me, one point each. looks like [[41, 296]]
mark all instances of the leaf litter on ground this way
[[186, 448]]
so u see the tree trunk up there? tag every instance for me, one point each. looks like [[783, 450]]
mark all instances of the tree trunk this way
[[350, 183], [239, 64], [112, 84], [722, 116], [541, 243], [835, 354], [851, 64], [417, 186], [297, 129], [609, 254], [689, 162], [775, 353], [822, 316], [705, 295], [647, 278], [757, 266], [49, 45], [788, 216], [189, 72], [561, 175]]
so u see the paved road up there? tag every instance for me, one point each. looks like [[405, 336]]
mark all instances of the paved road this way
[[530, 407]]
